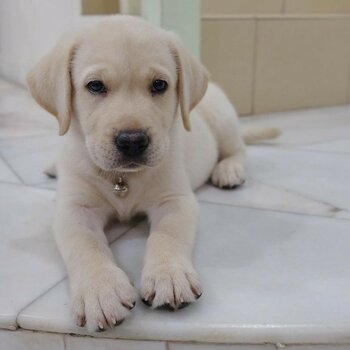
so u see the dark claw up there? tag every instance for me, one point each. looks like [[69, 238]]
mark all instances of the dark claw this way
[[119, 322], [166, 307], [183, 305], [229, 187], [197, 293], [147, 302], [197, 296], [100, 329], [129, 307]]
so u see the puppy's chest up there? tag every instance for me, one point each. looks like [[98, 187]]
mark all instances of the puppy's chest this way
[[126, 209], [129, 204]]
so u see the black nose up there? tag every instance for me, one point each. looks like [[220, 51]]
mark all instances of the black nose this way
[[132, 143]]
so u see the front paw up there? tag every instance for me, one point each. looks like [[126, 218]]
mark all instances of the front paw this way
[[170, 286], [102, 298]]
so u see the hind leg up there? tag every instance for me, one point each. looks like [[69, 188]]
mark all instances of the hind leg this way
[[223, 122], [229, 173], [230, 170], [222, 119]]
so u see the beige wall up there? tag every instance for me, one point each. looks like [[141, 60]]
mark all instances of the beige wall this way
[[241, 6], [228, 52], [317, 6], [101, 7], [226, 7], [269, 61]]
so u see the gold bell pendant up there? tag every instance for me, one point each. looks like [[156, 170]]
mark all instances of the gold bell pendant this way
[[121, 188]]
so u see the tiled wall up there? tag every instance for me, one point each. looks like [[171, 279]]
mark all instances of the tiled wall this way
[[237, 7], [101, 7], [317, 6], [275, 55]]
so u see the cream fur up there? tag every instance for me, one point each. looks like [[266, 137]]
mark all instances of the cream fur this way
[[127, 53]]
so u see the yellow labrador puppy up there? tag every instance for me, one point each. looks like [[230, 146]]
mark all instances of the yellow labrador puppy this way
[[118, 91]]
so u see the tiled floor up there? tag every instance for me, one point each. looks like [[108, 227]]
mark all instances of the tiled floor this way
[[273, 255]]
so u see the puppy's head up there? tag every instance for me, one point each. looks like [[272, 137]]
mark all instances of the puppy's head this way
[[123, 81]]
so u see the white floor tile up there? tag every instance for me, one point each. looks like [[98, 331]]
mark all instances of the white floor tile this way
[[337, 146], [29, 260], [79, 343], [6, 174], [24, 340], [184, 346], [24, 124], [306, 126], [29, 157], [21, 116], [50, 184], [290, 180], [6, 86], [30, 263], [268, 278], [318, 347]]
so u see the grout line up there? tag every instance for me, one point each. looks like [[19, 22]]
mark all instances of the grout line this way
[[277, 16], [332, 207], [14, 83], [348, 87], [65, 277], [319, 142], [38, 297], [11, 168], [25, 137], [64, 341], [49, 180], [284, 6], [327, 110], [132, 226], [49, 134], [2, 182], [45, 188], [275, 210], [254, 68], [300, 147], [27, 186]]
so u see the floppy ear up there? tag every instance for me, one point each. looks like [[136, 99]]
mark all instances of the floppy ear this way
[[50, 82], [192, 80]]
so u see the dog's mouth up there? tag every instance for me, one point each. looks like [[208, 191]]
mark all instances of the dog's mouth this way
[[108, 159], [132, 165]]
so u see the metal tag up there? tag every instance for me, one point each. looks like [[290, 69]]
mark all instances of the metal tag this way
[[121, 188]]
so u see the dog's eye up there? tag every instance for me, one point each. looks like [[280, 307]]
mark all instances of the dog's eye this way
[[96, 87], [159, 86]]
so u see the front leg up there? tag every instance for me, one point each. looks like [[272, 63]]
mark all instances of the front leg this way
[[101, 292], [168, 278]]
